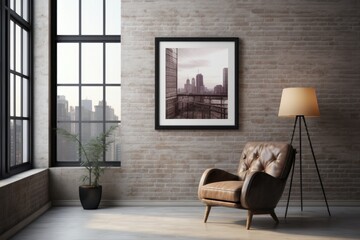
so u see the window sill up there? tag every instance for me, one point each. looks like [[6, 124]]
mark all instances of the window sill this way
[[21, 176]]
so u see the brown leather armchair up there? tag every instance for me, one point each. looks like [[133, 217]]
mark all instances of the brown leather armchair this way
[[258, 185]]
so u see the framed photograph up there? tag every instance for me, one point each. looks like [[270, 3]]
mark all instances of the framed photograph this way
[[196, 83]]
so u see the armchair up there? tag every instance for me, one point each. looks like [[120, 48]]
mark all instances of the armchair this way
[[258, 184]]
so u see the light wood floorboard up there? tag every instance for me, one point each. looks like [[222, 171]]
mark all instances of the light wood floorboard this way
[[74, 223]]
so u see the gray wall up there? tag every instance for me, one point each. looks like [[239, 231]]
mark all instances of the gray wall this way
[[283, 44], [41, 83]]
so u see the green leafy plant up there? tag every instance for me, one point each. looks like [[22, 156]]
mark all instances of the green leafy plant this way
[[91, 153]]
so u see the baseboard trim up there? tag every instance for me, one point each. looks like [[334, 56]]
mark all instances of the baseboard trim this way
[[317, 203], [15, 229], [195, 203], [153, 203], [131, 203]]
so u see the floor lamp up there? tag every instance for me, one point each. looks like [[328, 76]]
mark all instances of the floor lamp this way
[[298, 103]]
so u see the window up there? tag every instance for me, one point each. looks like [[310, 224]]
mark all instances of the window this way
[[15, 86], [86, 84]]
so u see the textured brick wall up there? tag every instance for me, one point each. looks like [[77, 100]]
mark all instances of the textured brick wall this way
[[283, 44], [22, 198]]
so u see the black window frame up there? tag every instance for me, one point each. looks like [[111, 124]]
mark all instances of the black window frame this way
[[7, 15], [54, 85]]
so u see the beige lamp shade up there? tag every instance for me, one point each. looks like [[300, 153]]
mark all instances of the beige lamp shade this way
[[298, 101]]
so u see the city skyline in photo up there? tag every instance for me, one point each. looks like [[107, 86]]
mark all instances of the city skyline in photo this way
[[197, 83], [209, 62]]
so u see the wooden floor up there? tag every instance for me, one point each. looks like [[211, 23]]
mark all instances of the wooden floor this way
[[74, 223]]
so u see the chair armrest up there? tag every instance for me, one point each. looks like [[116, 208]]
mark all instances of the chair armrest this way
[[215, 175], [261, 191]]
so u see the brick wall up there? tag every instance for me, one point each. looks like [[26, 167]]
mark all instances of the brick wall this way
[[283, 44], [22, 198]]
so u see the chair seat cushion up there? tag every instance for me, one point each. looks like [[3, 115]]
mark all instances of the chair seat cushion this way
[[225, 191]]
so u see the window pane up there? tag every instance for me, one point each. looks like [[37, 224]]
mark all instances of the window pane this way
[[25, 97], [67, 150], [25, 141], [18, 48], [92, 103], [18, 103], [25, 52], [18, 142], [18, 7], [12, 4], [12, 95], [92, 63], [90, 130], [113, 102], [113, 17], [92, 17], [113, 152], [12, 45], [113, 63], [26, 10], [68, 103], [68, 17], [68, 63], [12, 143]]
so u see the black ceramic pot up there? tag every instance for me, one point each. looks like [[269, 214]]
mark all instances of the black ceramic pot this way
[[90, 196]]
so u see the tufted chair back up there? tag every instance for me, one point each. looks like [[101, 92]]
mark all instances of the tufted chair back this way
[[269, 157]]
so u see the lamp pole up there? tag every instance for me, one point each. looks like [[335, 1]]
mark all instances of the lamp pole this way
[[302, 118]]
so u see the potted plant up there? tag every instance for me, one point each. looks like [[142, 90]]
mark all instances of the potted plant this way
[[91, 154]]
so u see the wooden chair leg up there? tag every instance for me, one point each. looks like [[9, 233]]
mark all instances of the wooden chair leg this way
[[274, 216], [249, 219], [207, 211]]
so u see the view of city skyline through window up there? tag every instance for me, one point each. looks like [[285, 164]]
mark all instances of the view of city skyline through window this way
[[16, 83], [19, 85], [88, 90], [92, 125]]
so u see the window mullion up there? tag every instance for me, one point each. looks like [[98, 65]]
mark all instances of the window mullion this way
[[80, 22], [80, 96], [87, 38], [104, 93], [2, 88], [20, 21], [22, 69], [104, 18]]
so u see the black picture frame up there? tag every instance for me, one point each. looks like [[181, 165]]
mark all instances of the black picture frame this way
[[196, 83]]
